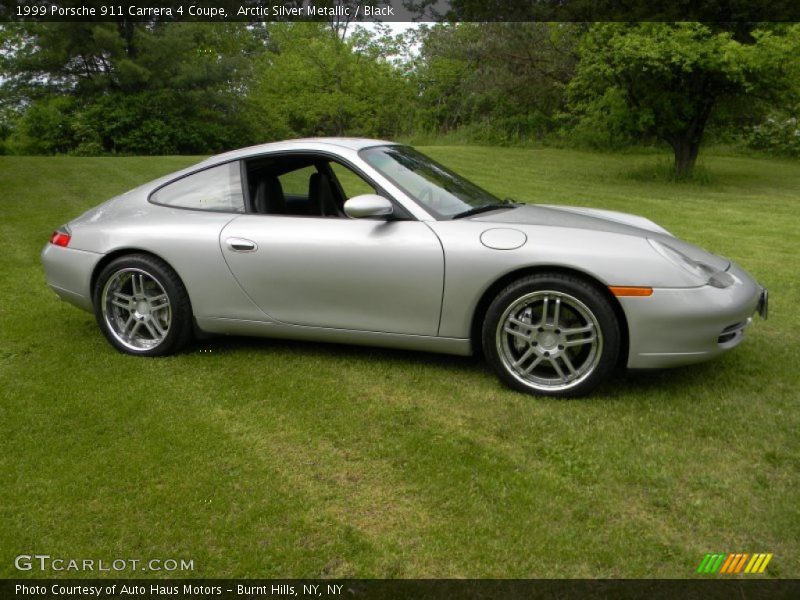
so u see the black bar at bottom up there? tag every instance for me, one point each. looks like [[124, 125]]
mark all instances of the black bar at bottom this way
[[390, 589]]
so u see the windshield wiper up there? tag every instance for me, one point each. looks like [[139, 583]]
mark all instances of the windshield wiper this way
[[485, 208]]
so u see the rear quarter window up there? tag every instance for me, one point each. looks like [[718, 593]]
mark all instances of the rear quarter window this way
[[215, 189]]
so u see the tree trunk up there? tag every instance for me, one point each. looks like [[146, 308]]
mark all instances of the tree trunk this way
[[127, 30], [686, 143], [685, 156]]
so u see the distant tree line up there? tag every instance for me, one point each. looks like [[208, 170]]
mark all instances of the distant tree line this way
[[197, 88]]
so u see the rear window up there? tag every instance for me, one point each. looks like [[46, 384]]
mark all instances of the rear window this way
[[215, 189]]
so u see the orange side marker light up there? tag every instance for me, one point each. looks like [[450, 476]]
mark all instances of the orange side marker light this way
[[628, 290]]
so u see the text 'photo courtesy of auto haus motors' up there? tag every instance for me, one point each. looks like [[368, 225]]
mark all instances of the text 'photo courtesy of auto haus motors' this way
[[369, 242]]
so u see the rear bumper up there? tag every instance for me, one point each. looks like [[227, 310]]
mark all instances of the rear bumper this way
[[682, 326], [69, 272]]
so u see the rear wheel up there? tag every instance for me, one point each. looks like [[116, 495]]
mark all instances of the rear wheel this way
[[141, 306], [551, 334]]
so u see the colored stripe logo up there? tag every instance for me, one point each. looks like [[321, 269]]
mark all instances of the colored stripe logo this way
[[734, 563]]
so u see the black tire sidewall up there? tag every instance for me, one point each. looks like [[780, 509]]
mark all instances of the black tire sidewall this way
[[180, 326], [588, 294]]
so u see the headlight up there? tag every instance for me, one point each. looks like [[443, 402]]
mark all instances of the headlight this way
[[702, 271]]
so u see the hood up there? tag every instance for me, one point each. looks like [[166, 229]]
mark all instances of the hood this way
[[576, 217]]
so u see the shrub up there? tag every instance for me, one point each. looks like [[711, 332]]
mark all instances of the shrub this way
[[779, 134], [45, 127]]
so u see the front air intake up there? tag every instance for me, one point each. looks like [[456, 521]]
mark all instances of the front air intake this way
[[732, 332]]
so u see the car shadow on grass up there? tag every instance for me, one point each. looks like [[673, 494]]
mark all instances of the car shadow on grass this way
[[640, 384], [334, 350], [652, 384]]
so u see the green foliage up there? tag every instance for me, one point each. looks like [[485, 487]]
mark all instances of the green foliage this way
[[778, 134], [46, 127], [162, 122], [604, 124], [503, 82], [156, 87], [123, 87], [673, 76], [313, 82]]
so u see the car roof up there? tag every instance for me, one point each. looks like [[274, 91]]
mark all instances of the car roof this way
[[310, 144]]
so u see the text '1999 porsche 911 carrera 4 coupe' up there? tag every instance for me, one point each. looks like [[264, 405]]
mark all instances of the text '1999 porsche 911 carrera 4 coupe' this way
[[369, 242]]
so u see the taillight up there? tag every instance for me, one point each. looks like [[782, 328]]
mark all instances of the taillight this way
[[61, 237]]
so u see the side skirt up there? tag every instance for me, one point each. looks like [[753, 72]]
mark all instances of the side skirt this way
[[441, 345]]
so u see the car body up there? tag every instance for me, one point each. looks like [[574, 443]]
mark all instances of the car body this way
[[370, 242]]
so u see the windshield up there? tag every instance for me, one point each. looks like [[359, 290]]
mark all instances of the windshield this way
[[442, 192]]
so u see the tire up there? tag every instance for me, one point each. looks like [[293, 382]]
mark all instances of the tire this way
[[142, 307], [565, 354]]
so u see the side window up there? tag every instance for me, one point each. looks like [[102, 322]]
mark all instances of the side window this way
[[216, 189], [295, 183], [351, 184], [302, 185]]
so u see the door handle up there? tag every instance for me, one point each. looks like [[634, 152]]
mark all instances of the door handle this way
[[241, 245]]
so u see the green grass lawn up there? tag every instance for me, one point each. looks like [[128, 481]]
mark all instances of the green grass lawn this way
[[260, 458]]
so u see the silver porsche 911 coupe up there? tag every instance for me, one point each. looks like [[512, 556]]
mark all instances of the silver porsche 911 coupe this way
[[370, 242]]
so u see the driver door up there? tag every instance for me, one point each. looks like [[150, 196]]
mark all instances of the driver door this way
[[332, 271]]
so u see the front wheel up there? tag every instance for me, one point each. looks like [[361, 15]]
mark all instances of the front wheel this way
[[551, 334], [141, 306]]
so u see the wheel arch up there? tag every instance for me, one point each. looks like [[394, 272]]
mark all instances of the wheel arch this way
[[119, 252], [499, 284]]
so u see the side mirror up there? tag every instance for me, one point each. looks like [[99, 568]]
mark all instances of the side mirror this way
[[367, 205]]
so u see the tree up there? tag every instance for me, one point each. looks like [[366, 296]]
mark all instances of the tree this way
[[144, 87], [668, 79], [313, 81], [507, 79]]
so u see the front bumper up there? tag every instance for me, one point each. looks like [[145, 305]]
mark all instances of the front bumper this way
[[676, 327], [763, 304]]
